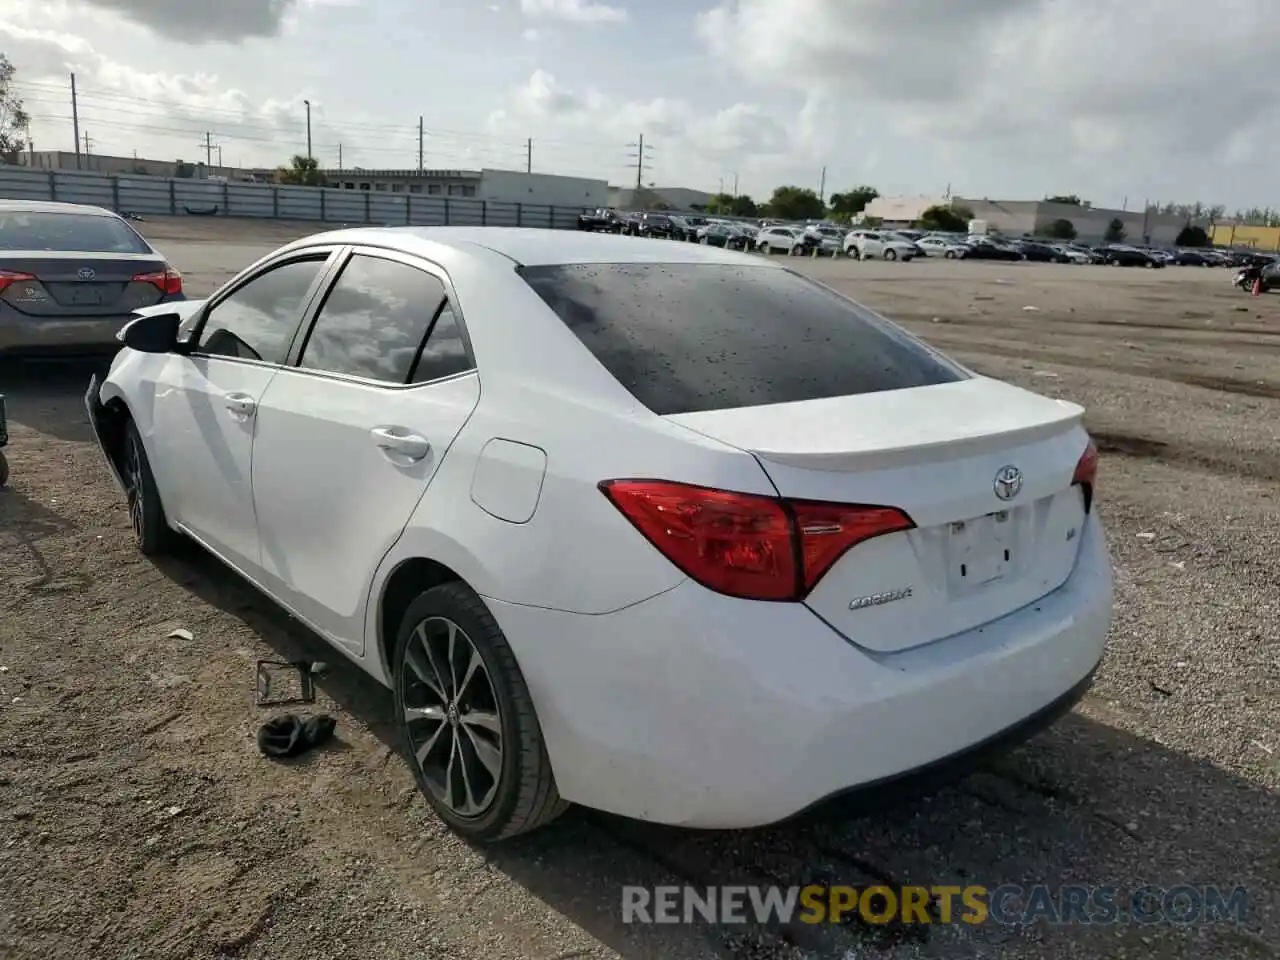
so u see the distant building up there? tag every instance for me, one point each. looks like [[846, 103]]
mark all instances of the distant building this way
[[67, 160], [502, 186], [1017, 218], [658, 198]]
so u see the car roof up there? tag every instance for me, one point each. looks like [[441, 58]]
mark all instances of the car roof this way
[[52, 206], [529, 246]]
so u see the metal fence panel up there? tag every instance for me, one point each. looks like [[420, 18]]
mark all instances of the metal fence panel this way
[[178, 196]]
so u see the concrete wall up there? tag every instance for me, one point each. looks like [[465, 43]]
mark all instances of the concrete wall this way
[[1240, 235], [167, 196], [512, 186], [1018, 217]]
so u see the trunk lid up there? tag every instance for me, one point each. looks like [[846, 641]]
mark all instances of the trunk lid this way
[[939, 453], [80, 284]]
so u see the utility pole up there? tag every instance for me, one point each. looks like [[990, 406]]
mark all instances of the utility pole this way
[[720, 189], [75, 119], [735, 186], [308, 105], [822, 187], [87, 144], [640, 157], [421, 133], [340, 167], [219, 149], [208, 149], [528, 155]]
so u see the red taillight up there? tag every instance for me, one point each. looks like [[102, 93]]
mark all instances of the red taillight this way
[[9, 277], [745, 545], [168, 280], [1087, 473]]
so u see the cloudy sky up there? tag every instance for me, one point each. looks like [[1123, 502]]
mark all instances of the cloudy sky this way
[[1175, 100]]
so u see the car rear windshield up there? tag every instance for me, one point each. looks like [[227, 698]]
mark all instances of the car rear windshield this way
[[684, 338], [72, 232]]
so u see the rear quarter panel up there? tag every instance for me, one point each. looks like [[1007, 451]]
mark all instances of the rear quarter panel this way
[[577, 552]]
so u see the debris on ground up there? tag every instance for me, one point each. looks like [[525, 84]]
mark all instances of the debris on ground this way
[[289, 735]]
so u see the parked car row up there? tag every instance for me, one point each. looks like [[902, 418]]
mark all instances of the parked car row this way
[[823, 238]]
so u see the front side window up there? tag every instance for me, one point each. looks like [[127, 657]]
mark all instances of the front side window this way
[[258, 320], [373, 321]]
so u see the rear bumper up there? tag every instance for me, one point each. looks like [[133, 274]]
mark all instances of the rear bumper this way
[[23, 335], [700, 710], [54, 336]]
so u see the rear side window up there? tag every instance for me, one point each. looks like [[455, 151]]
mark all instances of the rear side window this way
[[445, 352], [684, 338], [71, 232], [374, 320]]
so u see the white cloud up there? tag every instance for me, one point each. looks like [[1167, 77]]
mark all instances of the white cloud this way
[[573, 11], [1173, 100], [1162, 93], [690, 146]]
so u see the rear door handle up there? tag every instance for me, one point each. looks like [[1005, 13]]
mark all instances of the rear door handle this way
[[240, 403], [401, 443]]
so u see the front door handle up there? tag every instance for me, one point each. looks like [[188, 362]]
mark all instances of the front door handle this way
[[240, 404], [401, 443]]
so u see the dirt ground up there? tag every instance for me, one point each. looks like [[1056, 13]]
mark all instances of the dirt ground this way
[[138, 821]]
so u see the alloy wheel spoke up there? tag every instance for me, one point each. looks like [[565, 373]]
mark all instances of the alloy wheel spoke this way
[[484, 719], [424, 670], [490, 756], [473, 664], [441, 683]]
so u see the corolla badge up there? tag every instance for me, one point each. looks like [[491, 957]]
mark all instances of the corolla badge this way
[[1008, 482], [86, 273], [879, 599]]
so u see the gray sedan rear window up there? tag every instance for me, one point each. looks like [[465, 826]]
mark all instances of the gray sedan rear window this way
[[71, 232]]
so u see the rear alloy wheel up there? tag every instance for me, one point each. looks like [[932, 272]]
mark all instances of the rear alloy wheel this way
[[891, 254], [467, 719], [146, 514], [950, 254]]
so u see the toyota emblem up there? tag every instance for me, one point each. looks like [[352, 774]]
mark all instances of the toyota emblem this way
[[1008, 482], [85, 273]]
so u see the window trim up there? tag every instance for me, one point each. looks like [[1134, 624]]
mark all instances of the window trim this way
[[237, 283], [334, 273]]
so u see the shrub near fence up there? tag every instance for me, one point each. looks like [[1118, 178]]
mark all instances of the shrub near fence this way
[[174, 196]]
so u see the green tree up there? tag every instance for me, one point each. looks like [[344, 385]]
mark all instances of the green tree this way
[[13, 118], [1061, 230], [796, 203], [849, 204], [1067, 198], [301, 170], [946, 218], [1115, 231], [1192, 237], [728, 205]]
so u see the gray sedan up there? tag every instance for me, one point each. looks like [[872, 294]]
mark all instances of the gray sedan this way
[[71, 277]]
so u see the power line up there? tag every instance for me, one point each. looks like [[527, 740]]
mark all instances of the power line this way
[[244, 116], [640, 157]]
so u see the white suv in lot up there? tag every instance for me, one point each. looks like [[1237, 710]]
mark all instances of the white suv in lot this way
[[779, 240], [872, 244]]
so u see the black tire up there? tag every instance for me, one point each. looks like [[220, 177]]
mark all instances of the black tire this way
[[950, 254], [891, 254], [525, 796], [151, 531], [4, 469]]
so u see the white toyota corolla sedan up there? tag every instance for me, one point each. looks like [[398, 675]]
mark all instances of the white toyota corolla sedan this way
[[661, 529]]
